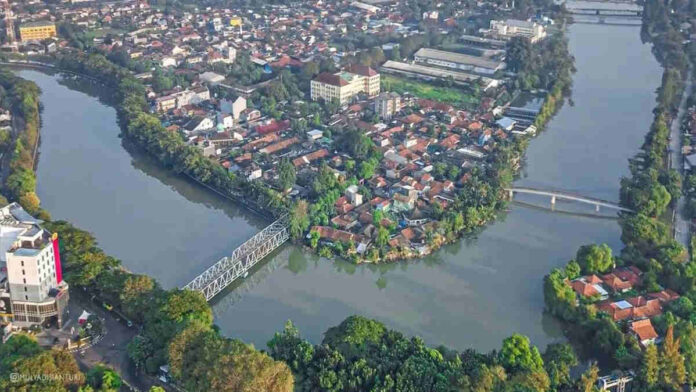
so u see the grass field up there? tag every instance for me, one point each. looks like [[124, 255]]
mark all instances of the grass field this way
[[450, 95]]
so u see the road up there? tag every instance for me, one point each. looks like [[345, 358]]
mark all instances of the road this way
[[111, 350], [680, 224]]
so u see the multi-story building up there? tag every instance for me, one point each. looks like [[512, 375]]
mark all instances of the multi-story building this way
[[36, 31], [370, 78], [343, 86], [518, 28], [31, 269], [182, 98], [387, 104]]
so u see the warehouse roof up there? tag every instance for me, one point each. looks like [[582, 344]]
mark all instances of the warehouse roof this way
[[458, 58]]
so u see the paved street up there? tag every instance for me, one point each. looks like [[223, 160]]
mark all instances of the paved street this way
[[681, 225], [111, 350]]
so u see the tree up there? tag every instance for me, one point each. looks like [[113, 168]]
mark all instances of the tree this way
[[517, 355], [286, 174], [30, 202], [314, 238], [519, 54], [559, 297], [382, 237], [588, 380], [367, 169], [558, 359], [135, 295], [22, 355], [594, 259], [377, 216], [161, 82], [201, 360], [650, 367], [572, 270], [188, 305], [299, 219], [104, 379], [672, 370]]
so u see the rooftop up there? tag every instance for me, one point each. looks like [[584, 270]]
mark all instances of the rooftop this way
[[41, 23], [459, 58]]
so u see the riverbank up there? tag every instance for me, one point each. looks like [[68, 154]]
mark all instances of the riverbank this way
[[469, 212], [19, 180], [653, 270], [469, 276]]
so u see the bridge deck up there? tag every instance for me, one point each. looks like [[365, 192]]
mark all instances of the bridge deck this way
[[228, 269], [568, 196]]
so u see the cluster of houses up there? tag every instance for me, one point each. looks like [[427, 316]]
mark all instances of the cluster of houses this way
[[609, 290], [417, 137], [276, 36]]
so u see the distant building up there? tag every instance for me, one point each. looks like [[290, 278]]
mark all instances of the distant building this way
[[353, 196], [343, 86], [36, 31], [34, 279], [211, 78], [235, 108], [365, 7], [458, 61], [387, 104], [509, 28], [182, 98]]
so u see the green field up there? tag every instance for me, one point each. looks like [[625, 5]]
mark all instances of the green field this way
[[450, 95]]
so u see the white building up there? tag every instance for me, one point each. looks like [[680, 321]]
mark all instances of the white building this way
[[34, 278], [234, 108], [343, 86], [353, 196], [387, 104], [518, 28]]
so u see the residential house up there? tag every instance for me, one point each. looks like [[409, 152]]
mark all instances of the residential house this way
[[589, 286], [644, 332]]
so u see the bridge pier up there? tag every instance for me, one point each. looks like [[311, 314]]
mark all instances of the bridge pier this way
[[596, 208], [553, 200], [511, 194]]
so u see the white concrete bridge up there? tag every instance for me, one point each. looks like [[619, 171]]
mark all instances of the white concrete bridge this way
[[228, 269], [563, 195]]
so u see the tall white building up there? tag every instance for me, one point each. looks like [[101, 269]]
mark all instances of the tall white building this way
[[518, 28], [30, 269]]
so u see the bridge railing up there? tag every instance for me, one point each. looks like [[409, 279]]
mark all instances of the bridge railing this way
[[221, 274], [554, 193]]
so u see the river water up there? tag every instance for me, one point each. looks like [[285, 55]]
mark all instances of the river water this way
[[470, 294]]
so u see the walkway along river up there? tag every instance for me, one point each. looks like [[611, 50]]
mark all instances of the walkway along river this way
[[470, 294]]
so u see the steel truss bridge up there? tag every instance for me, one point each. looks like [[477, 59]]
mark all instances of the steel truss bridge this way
[[228, 269], [628, 12], [563, 195]]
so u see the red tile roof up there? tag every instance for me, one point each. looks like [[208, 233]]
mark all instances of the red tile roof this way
[[329, 78], [643, 329], [361, 70]]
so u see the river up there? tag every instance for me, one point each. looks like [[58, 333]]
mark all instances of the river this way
[[470, 294]]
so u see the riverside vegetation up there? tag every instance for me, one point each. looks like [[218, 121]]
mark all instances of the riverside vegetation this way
[[357, 355], [651, 191]]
